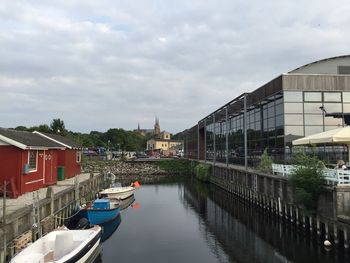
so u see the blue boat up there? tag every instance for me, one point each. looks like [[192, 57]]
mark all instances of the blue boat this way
[[100, 212]]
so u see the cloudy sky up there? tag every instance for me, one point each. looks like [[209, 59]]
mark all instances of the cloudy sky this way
[[108, 63]]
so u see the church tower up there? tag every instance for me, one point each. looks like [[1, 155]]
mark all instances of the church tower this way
[[156, 128]]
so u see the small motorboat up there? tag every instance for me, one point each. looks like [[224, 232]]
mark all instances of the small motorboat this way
[[120, 193], [100, 212], [62, 246]]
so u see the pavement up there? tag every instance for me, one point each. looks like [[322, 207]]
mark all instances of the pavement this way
[[27, 199]]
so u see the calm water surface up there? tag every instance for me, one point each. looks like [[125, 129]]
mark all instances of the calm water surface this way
[[191, 222]]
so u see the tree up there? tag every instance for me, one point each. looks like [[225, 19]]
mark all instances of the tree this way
[[57, 127]]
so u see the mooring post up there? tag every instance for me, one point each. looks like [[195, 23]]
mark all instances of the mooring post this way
[[310, 223], [335, 233], [4, 222], [318, 226], [346, 242], [326, 230]]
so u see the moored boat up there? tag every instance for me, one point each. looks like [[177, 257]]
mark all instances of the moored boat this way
[[62, 246], [100, 212], [118, 192]]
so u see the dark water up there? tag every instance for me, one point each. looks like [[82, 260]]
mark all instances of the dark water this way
[[192, 222]]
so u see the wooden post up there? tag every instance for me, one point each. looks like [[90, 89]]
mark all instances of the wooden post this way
[[4, 222]]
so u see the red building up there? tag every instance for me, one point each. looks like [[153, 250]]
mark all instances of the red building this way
[[70, 158], [28, 161]]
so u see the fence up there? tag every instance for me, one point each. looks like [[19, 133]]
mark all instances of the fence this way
[[332, 176]]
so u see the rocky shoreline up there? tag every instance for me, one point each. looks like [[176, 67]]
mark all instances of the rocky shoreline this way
[[129, 171]]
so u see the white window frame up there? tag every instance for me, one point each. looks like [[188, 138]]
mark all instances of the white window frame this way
[[78, 157], [31, 170]]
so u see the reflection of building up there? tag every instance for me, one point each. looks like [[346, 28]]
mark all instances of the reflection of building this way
[[286, 108]]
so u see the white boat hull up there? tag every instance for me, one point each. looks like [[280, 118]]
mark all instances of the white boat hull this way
[[89, 254], [118, 192], [62, 246]]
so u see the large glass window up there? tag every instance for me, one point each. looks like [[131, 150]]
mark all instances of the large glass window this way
[[312, 108], [293, 107], [294, 119], [294, 130], [313, 119], [333, 107], [346, 96], [332, 96], [309, 130], [312, 96], [293, 96]]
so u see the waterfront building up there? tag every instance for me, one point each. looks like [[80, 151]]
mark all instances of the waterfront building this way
[[30, 161], [273, 115], [70, 158]]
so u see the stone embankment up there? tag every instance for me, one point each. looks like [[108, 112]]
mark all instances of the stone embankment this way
[[128, 171]]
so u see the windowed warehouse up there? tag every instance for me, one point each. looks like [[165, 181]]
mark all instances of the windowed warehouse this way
[[271, 117]]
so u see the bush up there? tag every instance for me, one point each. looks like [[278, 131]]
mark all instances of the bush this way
[[176, 166], [307, 180], [265, 164], [202, 172]]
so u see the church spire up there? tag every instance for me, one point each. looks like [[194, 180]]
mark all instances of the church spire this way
[[156, 127]]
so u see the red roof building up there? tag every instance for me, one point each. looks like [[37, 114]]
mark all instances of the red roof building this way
[[70, 158], [28, 161]]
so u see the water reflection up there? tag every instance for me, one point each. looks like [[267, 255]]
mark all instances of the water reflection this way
[[109, 228], [237, 232]]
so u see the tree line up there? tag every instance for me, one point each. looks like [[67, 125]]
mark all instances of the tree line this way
[[114, 139]]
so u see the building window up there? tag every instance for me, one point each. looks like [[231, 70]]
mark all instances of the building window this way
[[293, 96], [32, 160], [332, 96], [78, 155], [344, 70], [313, 96]]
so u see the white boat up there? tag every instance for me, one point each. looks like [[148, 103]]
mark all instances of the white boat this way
[[118, 192], [62, 246]]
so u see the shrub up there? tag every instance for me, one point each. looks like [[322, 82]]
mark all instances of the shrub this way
[[307, 180], [265, 164], [202, 172]]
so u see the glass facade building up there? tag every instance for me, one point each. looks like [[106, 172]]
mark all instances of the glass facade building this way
[[271, 117]]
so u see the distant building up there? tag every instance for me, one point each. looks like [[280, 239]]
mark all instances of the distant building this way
[[157, 128], [162, 143], [143, 132]]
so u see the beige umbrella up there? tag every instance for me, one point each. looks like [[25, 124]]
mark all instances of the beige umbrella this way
[[336, 136]]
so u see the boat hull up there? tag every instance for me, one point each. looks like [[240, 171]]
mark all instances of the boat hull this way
[[118, 192], [99, 216], [48, 247]]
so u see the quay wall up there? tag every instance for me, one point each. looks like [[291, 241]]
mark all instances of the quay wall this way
[[274, 195], [48, 210]]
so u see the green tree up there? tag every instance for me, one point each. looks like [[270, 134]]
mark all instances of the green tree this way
[[57, 127]]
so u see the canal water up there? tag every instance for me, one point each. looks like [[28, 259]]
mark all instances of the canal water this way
[[187, 221]]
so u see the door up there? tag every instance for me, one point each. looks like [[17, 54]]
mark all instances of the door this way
[[49, 167]]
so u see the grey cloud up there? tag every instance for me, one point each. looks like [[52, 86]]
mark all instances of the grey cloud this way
[[102, 64]]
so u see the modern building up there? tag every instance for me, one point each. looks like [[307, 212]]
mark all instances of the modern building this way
[[272, 116]]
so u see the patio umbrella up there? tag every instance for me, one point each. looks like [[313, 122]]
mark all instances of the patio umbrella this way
[[336, 136]]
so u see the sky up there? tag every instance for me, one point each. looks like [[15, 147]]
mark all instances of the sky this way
[[113, 64]]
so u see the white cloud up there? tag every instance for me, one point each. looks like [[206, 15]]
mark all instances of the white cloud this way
[[102, 64]]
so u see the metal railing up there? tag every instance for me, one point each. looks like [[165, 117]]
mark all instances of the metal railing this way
[[332, 176]]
